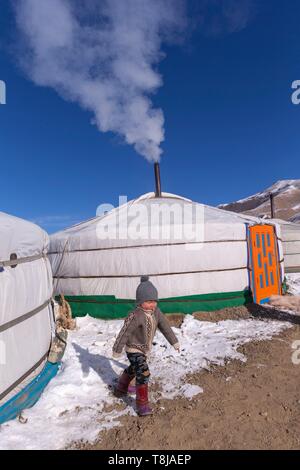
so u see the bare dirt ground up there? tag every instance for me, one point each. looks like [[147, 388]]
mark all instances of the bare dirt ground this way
[[252, 405]]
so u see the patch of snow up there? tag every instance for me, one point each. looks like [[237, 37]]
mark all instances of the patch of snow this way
[[280, 186], [293, 282], [189, 391], [283, 185], [78, 403]]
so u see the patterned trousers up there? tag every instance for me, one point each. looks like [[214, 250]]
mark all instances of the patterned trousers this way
[[138, 367]]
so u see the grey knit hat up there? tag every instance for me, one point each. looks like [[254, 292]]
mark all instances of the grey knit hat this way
[[146, 291]]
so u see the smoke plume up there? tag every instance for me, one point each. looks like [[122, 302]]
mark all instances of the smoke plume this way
[[103, 54]]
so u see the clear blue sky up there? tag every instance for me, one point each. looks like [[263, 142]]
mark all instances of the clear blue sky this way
[[231, 129]]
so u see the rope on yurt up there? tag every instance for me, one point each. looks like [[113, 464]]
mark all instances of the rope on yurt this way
[[16, 321], [154, 275], [21, 379], [15, 262], [158, 245], [292, 269]]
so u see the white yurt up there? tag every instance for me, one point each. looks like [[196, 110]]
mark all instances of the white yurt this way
[[26, 288], [198, 257], [290, 233]]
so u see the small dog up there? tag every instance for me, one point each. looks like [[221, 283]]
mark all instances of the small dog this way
[[290, 302]]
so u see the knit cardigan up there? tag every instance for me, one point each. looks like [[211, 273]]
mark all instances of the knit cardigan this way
[[137, 331]]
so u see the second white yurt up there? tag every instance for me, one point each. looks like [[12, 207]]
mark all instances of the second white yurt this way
[[198, 257], [26, 316], [290, 233]]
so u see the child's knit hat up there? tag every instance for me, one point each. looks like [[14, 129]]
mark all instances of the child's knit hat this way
[[146, 291]]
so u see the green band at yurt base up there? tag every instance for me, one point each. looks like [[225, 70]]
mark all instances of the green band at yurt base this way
[[108, 307]]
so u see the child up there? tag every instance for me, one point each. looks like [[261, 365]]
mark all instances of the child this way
[[137, 334]]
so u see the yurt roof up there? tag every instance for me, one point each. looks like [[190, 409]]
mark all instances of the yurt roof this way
[[211, 214], [20, 237]]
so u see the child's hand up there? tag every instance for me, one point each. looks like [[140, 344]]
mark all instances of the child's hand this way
[[116, 355], [177, 347]]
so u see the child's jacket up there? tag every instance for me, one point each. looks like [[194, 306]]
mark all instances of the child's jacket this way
[[138, 331]]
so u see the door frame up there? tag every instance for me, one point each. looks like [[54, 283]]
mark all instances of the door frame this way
[[252, 283]]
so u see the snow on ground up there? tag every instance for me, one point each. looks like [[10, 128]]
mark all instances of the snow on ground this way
[[189, 391], [78, 403], [293, 281]]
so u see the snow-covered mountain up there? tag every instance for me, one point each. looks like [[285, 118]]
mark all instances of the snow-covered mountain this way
[[286, 202]]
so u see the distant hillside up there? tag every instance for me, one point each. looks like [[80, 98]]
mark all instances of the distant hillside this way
[[286, 201]]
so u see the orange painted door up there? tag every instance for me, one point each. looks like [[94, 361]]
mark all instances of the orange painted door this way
[[264, 263]]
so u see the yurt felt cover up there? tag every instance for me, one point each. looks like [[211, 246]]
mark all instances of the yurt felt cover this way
[[291, 247], [25, 292], [91, 267]]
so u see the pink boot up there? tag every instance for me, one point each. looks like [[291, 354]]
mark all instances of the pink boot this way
[[121, 388], [142, 402], [131, 387]]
